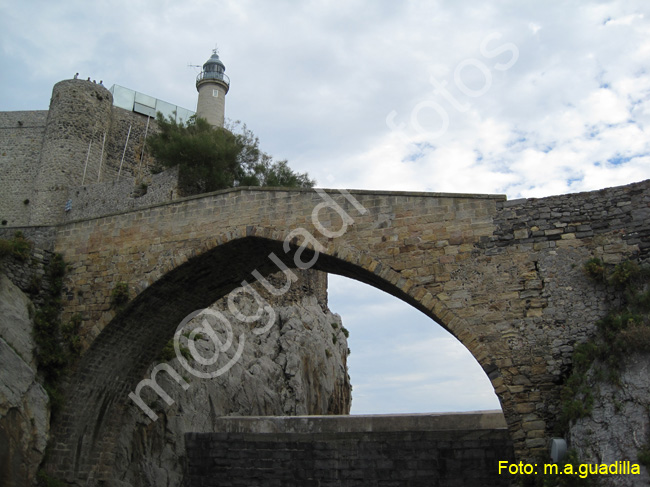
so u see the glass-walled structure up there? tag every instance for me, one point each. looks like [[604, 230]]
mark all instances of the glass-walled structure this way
[[147, 105]]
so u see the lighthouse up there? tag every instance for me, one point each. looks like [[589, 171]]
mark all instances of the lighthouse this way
[[212, 85]]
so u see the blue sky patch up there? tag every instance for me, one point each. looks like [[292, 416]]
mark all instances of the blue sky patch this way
[[618, 160]]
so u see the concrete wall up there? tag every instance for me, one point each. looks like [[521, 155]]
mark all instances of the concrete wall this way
[[441, 450]]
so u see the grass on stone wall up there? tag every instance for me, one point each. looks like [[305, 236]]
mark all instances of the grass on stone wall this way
[[120, 295], [18, 246], [57, 344], [621, 332]]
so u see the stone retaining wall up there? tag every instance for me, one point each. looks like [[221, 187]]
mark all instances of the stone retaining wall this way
[[30, 275], [442, 450], [125, 194], [544, 221]]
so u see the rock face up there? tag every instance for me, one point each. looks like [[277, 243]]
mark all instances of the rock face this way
[[619, 425], [24, 413], [297, 367]]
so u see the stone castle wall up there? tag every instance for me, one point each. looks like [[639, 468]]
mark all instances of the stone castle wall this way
[[79, 116], [543, 222], [21, 140], [124, 194], [83, 150]]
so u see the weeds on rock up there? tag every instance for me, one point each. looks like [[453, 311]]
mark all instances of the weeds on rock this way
[[644, 456], [169, 352]]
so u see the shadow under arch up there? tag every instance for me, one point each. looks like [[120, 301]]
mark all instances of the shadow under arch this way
[[97, 392]]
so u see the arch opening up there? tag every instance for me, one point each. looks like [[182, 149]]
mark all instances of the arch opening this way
[[401, 361]]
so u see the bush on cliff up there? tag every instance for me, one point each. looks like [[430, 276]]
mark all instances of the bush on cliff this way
[[212, 158]]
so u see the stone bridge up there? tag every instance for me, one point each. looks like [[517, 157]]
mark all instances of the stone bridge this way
[[504, 277]]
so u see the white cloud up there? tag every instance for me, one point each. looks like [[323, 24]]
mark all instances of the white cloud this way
[[603, 106]]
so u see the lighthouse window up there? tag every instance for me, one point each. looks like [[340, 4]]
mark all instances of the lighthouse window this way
[[215, 93]]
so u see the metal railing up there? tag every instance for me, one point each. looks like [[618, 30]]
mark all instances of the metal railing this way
[[213, 75]]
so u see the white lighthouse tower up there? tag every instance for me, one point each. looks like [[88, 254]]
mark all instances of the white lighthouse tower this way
[[212, 85]]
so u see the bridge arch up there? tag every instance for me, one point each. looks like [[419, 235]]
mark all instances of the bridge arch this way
[[98, 392], [503, 277]]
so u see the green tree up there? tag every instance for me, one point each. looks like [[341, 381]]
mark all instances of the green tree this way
[[269, 173], [212, 158]]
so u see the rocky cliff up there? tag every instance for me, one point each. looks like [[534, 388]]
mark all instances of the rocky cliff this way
[[618, 428], [24, 412], [298, 367]]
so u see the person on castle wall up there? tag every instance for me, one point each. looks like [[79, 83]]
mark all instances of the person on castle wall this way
[[101, 83], [88, 78], [76, 76]]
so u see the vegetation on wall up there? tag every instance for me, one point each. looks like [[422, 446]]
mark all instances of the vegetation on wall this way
[[212, 158], [168, 352], [18, 246], [57, 344], [644, 456], [120, 295]]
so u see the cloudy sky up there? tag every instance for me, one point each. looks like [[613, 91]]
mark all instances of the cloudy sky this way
[[527, 99]]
